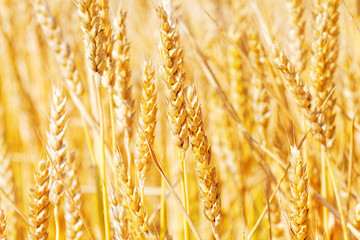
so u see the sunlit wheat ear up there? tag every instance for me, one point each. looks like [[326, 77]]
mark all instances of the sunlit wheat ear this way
[[132, 198], [299, 216], [94, 36], [205, 170], [124, 103], [40, 204], [147, 122], [59, 46], [56, 147], [119, 221], [74, 224], [297, 34], [3, 225], [301, 93], [324, 63], [174, 78]]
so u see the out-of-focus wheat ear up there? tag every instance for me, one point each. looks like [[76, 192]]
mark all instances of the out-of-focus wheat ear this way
[[261, 99], [74, 224], [108, 79], [147, 123], [239, 82], [299, 216], [301, 93], [129, 192], [56, 148], [119, 223], [323, 64], [205, 170], [356, 220], [124, 104], [3, 225], [7, 183], [93, 36], [297, 34], [59, 46], [40, 203]]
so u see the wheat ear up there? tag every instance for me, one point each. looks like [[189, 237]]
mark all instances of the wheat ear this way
[[40, 204], [94, 40], [57, 43], [130, 193], [301, 93], [174, 79], [124, 103], [119, 221], [3, 225], [147, 123], [299, 216], [56, 148], [205, 170], [261, 99], [73, 221], [297, 34]]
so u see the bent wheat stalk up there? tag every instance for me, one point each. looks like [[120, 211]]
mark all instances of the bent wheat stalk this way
[[205, 171]]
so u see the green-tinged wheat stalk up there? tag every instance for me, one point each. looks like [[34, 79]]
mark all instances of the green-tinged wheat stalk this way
[[205, 170], [40, 203]]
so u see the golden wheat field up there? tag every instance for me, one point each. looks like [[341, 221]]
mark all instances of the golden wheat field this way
[[182, 119]]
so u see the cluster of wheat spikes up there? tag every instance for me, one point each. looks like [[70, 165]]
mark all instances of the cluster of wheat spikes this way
[[193, 119]]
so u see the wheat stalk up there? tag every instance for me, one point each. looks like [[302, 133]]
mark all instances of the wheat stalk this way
[[205, 171], [56, 148], [299, 217], [94, 40], [301, 93], [130, 193], [40, 204], [147, 123], [174, 79]]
